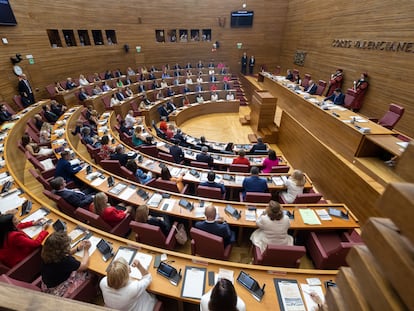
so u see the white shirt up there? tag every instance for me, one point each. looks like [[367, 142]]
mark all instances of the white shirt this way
[[132, 297], [199, 80], [200, 99], [230, 97], [188, 81], [129, 121], [214, 97], [114, 101], [164, 84], [205, 299], [83, 82], [292, 191]]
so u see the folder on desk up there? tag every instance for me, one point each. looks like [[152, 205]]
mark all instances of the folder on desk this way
[[309, 217], [194, 282], [288, 294]]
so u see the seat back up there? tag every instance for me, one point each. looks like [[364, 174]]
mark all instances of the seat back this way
[[92, 219], [126, 173], [165, 156], [148, 234], [33, 134], [9, 280], [61, 203], [51, 90], [8, 108], [107, 102], [305, 80], [29, 268], [305, 198], [18, 101], [392, 116], [242, 168], [199, 164], [280, 169], [287, 256], [209, 192], [277, 71], [321, 87], [40, 179], [149, 150], [127, 139], [205, 244], [112, 166], [166, 185], [258, 197], [349, 98], [93, 152]]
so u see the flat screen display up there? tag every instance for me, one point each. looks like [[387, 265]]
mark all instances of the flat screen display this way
[[6, 14], [242, 19]]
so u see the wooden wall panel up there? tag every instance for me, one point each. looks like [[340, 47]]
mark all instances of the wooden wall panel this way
[[312, 25], [135, 23]]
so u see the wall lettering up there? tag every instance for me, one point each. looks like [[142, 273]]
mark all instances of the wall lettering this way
[[389, 46]]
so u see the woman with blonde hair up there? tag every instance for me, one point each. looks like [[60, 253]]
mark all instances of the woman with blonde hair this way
[[272, 226], [121, 292], [142, 215], [294, 185], [109, 214]]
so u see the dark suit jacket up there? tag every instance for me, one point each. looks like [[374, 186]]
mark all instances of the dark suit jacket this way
[[23, 88], [337, 100], [214, 185], [5, 116], [121, 157], [83, 96], [163, 112], [202, 157], [75, 198], [120, 96], [258, 146], [177, 153], [215, 228], [312, 90], [66, 170], [254, 184]]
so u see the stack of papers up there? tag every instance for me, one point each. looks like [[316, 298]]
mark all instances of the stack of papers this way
[[323, 214], [250, 215], [309, 217], [155, 200]]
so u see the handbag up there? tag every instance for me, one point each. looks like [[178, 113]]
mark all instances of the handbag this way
[[181, 234]]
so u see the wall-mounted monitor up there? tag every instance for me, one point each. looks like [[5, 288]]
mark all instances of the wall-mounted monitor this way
[[6, 14], [242, 19]]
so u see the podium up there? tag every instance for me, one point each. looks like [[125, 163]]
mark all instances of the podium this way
[[262, 115]]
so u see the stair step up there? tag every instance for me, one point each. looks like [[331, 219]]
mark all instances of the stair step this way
[[252, 138]]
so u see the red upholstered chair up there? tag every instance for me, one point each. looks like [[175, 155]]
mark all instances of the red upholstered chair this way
[[39, 166], [241, 168], [166, 157], [305, 198], [107, 102], [210, 192], [256, 197], [349, 99], [199, 164], [61, 203], [26, 270], [126, 173], [152, 235], [135, 108], [51, 90], [287, 256], [167, 185], [321, 87], [205, 244], [8, 108], [328, 250], [305, 80], [18, 101], [127, 139], [94, 153], [121, 229], [112, 166], [41, 179], [280, 169], [392, 116], [149, 150], [277, 71]]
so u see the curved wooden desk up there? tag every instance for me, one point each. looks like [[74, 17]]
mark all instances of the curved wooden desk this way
[[160, 286]]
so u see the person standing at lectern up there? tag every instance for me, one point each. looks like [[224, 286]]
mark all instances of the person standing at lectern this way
[[252, 61], [26, 91], [244, 63]]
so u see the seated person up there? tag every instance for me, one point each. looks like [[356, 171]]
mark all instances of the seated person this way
[[64, 168], [273, 227], [121, 156], [213, 87], [170, 92], [199, 78], [4, 114], [119, 83], [186, 89], [214, 96], [89, 139], [121, 292], [200, 65], [166, 175], [130, 71], [260, 145], [294, 185], [70, 84], [83, 95], [129, 119], [38, 120], [188, 80], [270, 161], [74, 197], [140, 175], [50, 116], [128, 92], [57, 108], [169, 133], [211, 176], [163, 83], [185, 101], [114, 101], [312, 88], [142, 215], [141, 87], [213, 78], [61, 272], [198, 87], [111, 215], [163, 111], [216, 226], [45, 133], [241, 158], [15, 245], [200, 98], [230, 96], [83, 81], [170, 107], [223, 296], [176, 152], [59, 88], [106, 149], [108, 75], [144, 102], [149, 141], [254, 183], [289, 75], [106, 87], [337, 97], [205, 157], [137, 137], [96, 77], [119, 95], [34, 148], [124, 129]]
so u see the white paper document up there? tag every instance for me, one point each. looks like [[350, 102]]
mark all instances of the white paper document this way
[[193, 285]]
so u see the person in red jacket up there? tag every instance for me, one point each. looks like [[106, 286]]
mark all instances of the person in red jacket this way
[[15, 245], [109, 214], [241, 159]]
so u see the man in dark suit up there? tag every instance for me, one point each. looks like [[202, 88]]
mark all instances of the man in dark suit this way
[[25, 91], [119, 95], [4, 114], [216, 226], [121, 156], [163, 111], [312, 87], [176, 152], [205, 157], [252, 61], [141, 87], [211, 176], [337, 97], [170, 106], [260, 145], [76, 198], [64, 169], [83, 95], [254, 183], [243, 62]]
